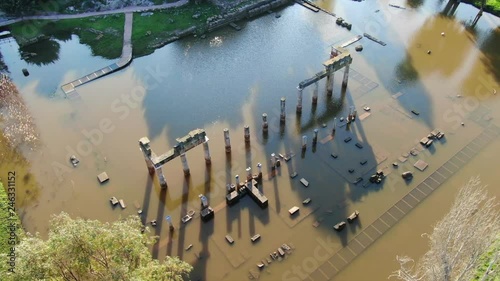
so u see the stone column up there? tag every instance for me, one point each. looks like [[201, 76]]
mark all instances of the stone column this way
[[247, 133], [147, 152], [249, 173], [237, 179], [185, 166], [169, 221], [208, 159], [273, 161], [204, 201], [161, 178], [346, 76], [283, 114], [315, 93], [315, 136], [265, 125], [329, 83], [259, 167], [227, 140], [304, 142], [334, 125], [299, 100]]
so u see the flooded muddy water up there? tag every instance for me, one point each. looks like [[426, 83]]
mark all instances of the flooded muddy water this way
[[228, 80]]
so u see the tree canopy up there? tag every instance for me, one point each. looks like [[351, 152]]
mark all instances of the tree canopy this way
[[78, 249]]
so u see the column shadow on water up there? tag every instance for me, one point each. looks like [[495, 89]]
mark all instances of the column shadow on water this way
[[180, 229]]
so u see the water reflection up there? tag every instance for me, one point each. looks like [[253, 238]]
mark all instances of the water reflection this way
[[489, 48], [3, 66], [41, 53]]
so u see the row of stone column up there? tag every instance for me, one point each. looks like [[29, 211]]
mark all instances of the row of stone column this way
[[329, 88]]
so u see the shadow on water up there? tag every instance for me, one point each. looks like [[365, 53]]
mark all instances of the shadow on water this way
[[334, 183], [181, 232]]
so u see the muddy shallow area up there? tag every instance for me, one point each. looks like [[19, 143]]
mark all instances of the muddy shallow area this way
[[227, 81]]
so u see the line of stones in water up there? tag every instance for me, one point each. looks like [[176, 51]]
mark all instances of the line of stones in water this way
[[393, 215]]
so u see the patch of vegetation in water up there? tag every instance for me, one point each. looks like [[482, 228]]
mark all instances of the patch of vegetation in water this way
[[103, 34]]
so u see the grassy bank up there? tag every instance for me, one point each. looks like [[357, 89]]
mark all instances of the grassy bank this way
[[492, 6], [485, 263], [104, 34], [152, 31]]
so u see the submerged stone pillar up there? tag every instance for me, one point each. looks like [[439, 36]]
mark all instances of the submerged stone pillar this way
[[265, 125], [249, 173], [185, 166], [283, 114], [161, 177], [227, 140], [204, 201], [208, 159], [346, 76], [299, 100], [315, 136], [169, 221], [329, 83], [315, 93], [237, 179], [247, 133]]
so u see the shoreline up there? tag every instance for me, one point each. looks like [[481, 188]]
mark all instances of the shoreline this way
[[151, 30]]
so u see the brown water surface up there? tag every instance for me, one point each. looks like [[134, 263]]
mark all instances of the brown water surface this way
[[227, 81]]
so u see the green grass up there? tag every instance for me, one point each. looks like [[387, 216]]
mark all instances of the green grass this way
[[147, 29], [109, 45], [6, 218], [485, 262], [492, 6], [495, 4]]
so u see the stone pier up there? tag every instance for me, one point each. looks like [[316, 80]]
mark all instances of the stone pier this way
[[227, 141], [265, 125], [283, 113], [247, 133], [299, 100], [185, 166]]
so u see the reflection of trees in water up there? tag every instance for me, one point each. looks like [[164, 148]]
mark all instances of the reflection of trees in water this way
[[406, 72], [41, 53], [414, 3], [3, 66], [491, 58]]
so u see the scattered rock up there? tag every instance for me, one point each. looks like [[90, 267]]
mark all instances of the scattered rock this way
[[442, 34], [196, 16], [428, 52], [358, 48], [203, 36]]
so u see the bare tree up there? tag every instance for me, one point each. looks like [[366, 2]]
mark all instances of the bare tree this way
[[458, 239]]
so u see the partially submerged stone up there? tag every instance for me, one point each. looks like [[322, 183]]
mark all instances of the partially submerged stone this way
[[103, 177]]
